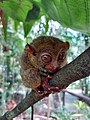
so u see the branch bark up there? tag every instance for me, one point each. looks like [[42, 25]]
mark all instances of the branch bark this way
[[77, 69]]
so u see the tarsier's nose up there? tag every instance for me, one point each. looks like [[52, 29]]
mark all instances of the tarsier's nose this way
[[53, 67]]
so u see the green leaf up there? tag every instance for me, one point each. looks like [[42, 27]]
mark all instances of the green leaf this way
[[33, 13], [27, 27], [16, 23], [77, 115], [16, 9], [46, 26], [73, 14], [19, 44], [5, 29]]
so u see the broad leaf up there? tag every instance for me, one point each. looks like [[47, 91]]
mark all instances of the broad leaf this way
[[16, 9], [74, 14], [33, 13], [27, 27]]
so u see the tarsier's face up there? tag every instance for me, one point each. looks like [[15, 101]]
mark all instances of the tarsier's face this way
[[50, 54], [50, 60]]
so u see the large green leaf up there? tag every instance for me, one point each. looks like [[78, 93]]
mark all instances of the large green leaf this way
[[74, 14], [16, 9], [33, 13], [27, 27]]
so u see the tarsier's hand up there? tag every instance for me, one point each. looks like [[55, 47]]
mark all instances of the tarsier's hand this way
[[40, 60]]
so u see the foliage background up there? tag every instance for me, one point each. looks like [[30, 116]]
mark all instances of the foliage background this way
[[27, 19]]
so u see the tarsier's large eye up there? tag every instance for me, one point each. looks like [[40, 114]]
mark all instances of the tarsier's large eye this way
[[62, 56], [46, 58]]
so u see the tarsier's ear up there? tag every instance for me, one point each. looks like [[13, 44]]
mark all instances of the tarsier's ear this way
[[67, 45], [29, 49]]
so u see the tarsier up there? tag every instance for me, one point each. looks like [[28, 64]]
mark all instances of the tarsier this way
[[40, 60]]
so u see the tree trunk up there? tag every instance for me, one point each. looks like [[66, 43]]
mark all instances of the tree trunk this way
[[77, 69]]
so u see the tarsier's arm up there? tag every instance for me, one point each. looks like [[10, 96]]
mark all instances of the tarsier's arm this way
[[40, 60]]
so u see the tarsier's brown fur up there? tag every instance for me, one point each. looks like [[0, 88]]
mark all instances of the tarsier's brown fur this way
[[40, 59]]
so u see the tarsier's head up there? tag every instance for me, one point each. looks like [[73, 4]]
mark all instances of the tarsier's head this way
[[49, 53]]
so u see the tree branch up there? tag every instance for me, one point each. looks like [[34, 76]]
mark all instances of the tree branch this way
[[77, 69]]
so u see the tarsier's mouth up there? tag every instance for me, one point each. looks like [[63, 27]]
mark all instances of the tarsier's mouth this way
[[45, 72]]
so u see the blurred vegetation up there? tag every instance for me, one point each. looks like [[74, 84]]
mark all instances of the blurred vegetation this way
[[25, 20], [65, 114]]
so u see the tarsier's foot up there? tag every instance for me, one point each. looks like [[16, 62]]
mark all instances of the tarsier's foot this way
[[45, 89]]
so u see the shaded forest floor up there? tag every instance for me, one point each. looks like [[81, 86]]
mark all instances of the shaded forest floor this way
[[53, 104]]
